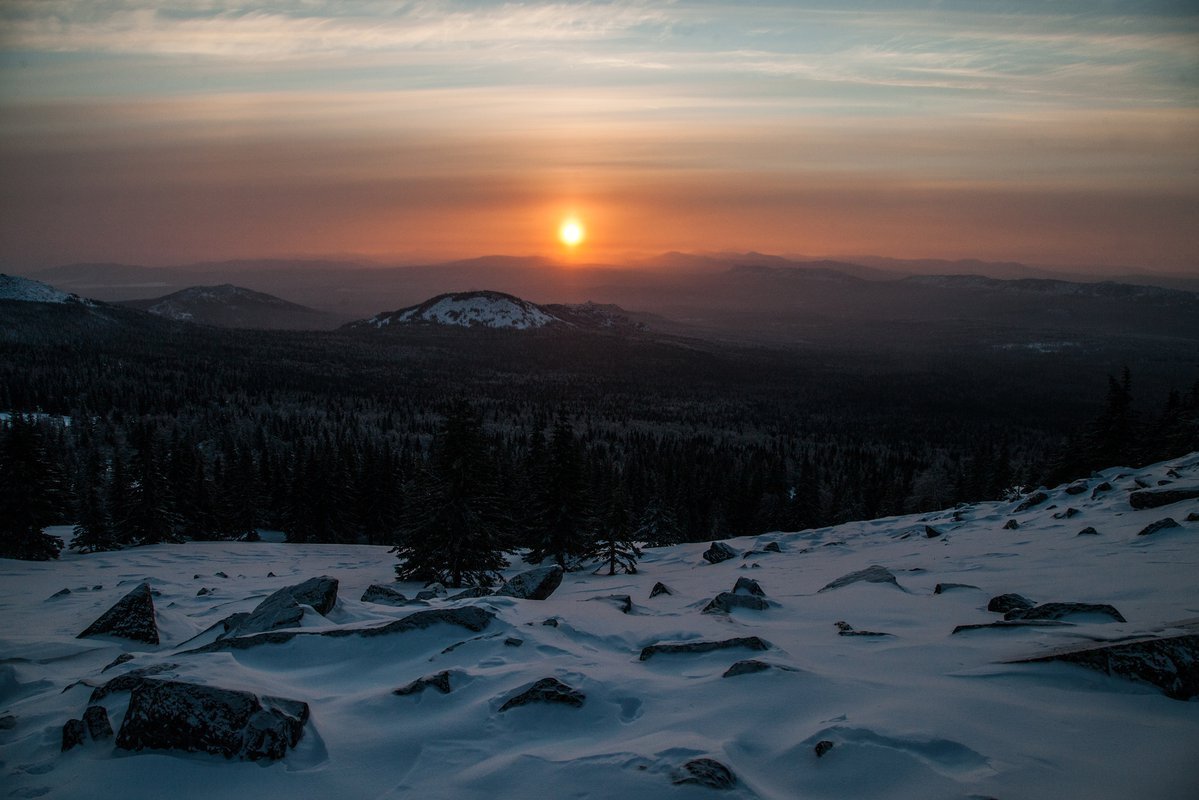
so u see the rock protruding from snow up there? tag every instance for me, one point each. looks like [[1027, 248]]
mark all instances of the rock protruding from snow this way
[[536, 584], [30, 291], [546, 690], [706, 772], [845, 629], [73, 734], [659, 588], [283, 608], [1156, 527], [748, 586], [621, 601], [1063, 610], [727, 601], [384, 595], [872, 574], [1078, 487], [1004, 603], [772, 547], [1012, 624], [1155, 498], [129, 681], [131, 617], [746, 667], [942, 588], [671, 648], [822, 747], [96, 720], [1034, 499], [1170, 663], [473, 591], [440, 682], [719, 551], [173, 715]]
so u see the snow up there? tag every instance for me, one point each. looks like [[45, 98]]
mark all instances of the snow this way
[[31, 291], [920, 713], [469, 309]]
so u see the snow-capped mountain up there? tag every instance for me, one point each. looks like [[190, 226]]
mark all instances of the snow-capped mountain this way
[[31, 291], [229, 306], [487, 309]]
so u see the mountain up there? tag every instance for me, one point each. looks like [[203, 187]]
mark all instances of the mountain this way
[[229, 306], [487, 309], [31, 291], [873, 659]]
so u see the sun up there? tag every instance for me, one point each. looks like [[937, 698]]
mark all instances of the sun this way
[[571, 232]]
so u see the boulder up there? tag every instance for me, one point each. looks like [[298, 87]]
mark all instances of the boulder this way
[[669, 648], [822, 747], [930, 532], [748, 586], [1007, 602], [123, 658], [512, 641], [659, 588], [719, 551], [7, 722], [1154, 498], [96, 720], [621, 601], [440, 682], [1160, 525], [131, 617], [1034, 499], [1170, 663], [282, 609], [129, 681], [727, 601], [546, 690], [383, 595], [172, 715], [872, 574], [1100, 489], [1078, 487], [73, 734], [942, 588], [473, 591], [746, 667], [1062, 610], [535, 584], [1011, 525], [1088, 531], [772, 547], [59, 593], [706, 772], [1067, 514], [433, 591], [1193, 516], [845, 629]]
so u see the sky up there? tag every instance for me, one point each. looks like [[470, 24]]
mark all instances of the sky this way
[[1062, 133]]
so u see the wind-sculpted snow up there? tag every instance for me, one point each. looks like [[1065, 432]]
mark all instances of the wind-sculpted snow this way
[[850, 682]]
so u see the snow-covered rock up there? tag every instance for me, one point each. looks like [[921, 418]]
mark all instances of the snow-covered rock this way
[[131, 617]]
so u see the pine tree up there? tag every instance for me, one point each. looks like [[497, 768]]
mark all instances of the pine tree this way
[[93, 528], [658, 525], [149, 518], [561, 519], [31, 493], [613, 547], [454, 527]]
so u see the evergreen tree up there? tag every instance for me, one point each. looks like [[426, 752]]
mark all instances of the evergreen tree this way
[[149, 518], [454, 526], [658, 526], [31, 493], [614, 547], [562, 515], [93, 528]]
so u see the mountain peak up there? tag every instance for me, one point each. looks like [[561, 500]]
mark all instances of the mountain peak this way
[[27, 290], [483, 309]]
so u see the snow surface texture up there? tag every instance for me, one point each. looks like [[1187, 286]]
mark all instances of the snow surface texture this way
[[919, 713], [31, 291]]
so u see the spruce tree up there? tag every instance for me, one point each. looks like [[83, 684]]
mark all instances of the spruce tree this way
[[613, 547], [562, 518], [31, 493], [93, 528]]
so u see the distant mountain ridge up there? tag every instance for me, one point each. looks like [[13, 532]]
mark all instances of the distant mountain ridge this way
[[229, 306], [28, 290], [499, 310]]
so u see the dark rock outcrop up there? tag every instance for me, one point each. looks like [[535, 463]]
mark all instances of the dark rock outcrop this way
[[1170, 663], [282, 609], [73, 734], [746, 667], [1007, 602], [536, 584], [432, 592], [845, 629], [440, 682], [1034, 499], [96, 720], [719, 551], [942, 588], [1155, 498], [659, 588], [172, 715], [930, 532], [1100, 489], [1011, 624], [383, 595], [1078, 487], [621, 601], [1011, 525], [822, 747], [772, 547], [1069, 513], [129, 681], [1160, 525], [748, 586], [1088, 531], [706, 772], [669, 648], [473, 591], [131, 617], [60, 593], [727, 601], [123, 658], [546, 690], [1063, 610], [872, 574]]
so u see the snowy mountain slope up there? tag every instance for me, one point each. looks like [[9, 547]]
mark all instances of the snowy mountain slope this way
[[920, 712], [31, 291], [230, 306], [487, 309]]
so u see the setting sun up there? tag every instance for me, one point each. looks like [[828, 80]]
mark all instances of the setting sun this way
[[571, 233]]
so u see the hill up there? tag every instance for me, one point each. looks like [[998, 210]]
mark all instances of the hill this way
[[229, 306]]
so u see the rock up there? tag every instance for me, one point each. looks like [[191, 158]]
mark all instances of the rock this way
[[872, 574], [96, 720], [473, 591], [669, 648], [440, 682], [930, 532], [659, 588], [1170, 663], [1067, 514], [772, 547], [1193, 516], [129, 681], [383, 595], [221, 575], [118, 661], [822, 747], [1160, 525], [512, 641], [746, 667], [1011, 525], [1140, 483], [172, 715], [719, 551], [1100, 489], [621, 601], [1088, 531], [552, 622], [727, 601], [203, 592], [271, 575], [1061, 610], [7, 722], [748, 586], [1007, 602], [282, 609], [73, 734], [546, 690], [432, 592], [1014, 623], [59, 593], [131, 617], [706, 772], [536, 584], [1034, 499], [845, 629], [1155, 498], [1078, 487], [942, 588]]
